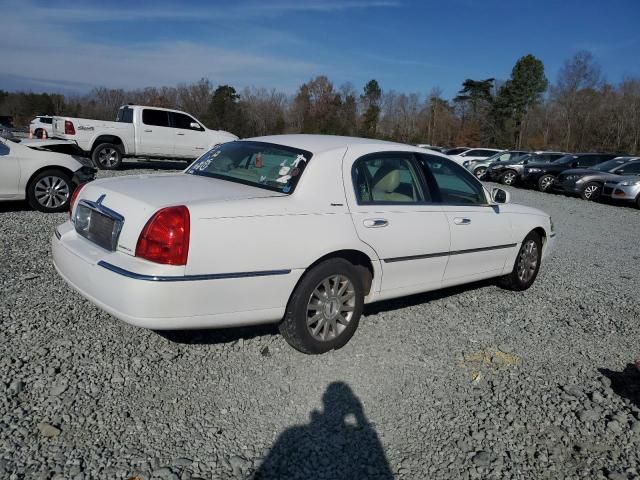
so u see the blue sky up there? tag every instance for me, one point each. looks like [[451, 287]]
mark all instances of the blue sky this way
[[409, 46]]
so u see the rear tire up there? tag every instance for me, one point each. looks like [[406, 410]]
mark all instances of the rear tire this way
[[591, 191], [508, 178], [638, 202], [107, 156], [325, 308], [50, 191], [527, 264]]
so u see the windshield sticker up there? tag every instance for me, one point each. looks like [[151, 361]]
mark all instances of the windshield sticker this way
[[284, 170], [263, 179], [299, 158], [295, 172], [283, 179], [286, 189]]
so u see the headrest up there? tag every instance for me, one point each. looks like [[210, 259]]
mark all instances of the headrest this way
[[386, 180]]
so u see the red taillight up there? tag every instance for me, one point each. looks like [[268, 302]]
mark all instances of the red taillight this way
[[69, 129], [165, 238], [74, 197]]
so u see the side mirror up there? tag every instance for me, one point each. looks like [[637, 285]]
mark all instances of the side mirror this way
[[524, 162], [195, 126], [499, 195]]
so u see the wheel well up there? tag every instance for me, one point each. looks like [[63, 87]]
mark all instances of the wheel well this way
[[357, 258], [65, 170], [543, 235], [107, 139]]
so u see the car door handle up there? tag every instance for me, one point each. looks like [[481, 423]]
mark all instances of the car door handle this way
[[375, 222], [148, 131], [179, 133], [461, 221]]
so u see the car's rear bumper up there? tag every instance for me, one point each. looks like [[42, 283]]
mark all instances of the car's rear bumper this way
[[165, 302]]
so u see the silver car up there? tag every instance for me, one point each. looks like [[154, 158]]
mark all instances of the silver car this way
[[479, 167], [588, 182], [626, 189], [509, 173]]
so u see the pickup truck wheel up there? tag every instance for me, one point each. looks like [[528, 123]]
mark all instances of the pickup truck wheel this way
[[591, 191], [107, 156], [324, 309], [545, 182], [508, 177], [527, 264], [50, 191]]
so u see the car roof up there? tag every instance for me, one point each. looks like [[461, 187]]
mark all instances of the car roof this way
[[322, 143]]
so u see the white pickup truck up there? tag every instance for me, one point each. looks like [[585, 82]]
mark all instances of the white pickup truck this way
[[140, 131]]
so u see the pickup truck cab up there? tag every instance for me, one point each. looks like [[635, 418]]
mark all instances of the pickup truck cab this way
[[140, 131]]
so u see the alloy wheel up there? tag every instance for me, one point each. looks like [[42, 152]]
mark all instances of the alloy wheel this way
[[52, 191], [330, 307], [546, 182], [479, 172], [108, 157], [509, 178], [527, 261], [591, 191]]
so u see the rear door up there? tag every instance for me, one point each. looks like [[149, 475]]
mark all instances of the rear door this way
[[156, 138], [481, 236], [393, 212], [191, 139], [9, 173]]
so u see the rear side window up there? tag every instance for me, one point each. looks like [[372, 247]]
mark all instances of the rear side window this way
[[182, 121], [456, 185], [125, 115], [46, 120], [158, 118], [389, 178], [589, 160], [631, 168]]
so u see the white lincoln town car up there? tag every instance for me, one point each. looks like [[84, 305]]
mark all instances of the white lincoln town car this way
[[300, 230]]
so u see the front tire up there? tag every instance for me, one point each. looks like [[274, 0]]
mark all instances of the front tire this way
[[508, 178], [591, 191], [50, 191], [325, 308], [480, 172], [545, 182], [527, 264], [107, 156]]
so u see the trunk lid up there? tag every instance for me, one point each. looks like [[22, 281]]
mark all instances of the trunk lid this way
[[138, 197]]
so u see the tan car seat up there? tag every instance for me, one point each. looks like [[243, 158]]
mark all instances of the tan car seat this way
[[385, 181]]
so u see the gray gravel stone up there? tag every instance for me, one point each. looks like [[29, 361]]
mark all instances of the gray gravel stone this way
[[552, 397]]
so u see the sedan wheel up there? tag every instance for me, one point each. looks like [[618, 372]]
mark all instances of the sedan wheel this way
[[50, 191], [479, 172], [527, 264], [508, 178], [545, 182], [330, 308], [591, 191], [324, 309]]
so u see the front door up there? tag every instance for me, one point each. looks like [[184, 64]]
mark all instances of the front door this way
[[9, 173], [191, 138], [392, 210], [481, 235], [156, 138]]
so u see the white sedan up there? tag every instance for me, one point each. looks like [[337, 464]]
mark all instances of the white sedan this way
[[300, 230], [42, 171]]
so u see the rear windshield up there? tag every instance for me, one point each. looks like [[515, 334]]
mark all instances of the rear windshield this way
[[264, 165], [125, 115]]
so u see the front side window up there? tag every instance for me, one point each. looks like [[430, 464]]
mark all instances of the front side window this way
[[456, 185], [629, 169], [157, 118], [388, 178], [609, 165], [264, 165], [184, 122]]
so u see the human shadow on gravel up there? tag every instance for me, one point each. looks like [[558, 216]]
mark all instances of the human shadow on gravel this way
[[420, 298], [337, 443], [625, 383]]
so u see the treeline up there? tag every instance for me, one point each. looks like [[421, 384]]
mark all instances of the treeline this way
[[579, 112]]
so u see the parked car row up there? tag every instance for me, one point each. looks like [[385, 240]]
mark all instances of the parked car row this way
[[589, 175]]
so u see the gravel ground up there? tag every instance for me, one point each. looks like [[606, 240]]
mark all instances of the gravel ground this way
[[473, 382]]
